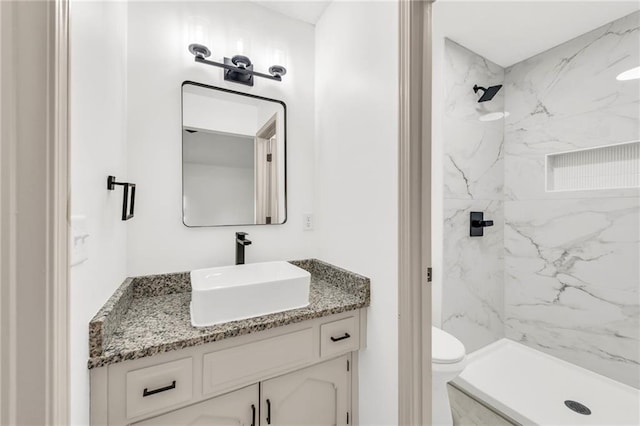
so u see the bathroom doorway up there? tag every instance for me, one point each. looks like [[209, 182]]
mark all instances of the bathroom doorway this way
[[536, 208]]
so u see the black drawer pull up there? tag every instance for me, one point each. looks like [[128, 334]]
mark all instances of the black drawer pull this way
[[268, 412], [253, 415], [148, 392], [337, 339]]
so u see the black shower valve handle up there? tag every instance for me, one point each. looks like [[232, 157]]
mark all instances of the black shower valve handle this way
[[482, 223], [477, 224]]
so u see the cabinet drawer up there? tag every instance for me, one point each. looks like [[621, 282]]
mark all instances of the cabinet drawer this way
[[163, 385], [338, 337], [234, 408], [242, 364]]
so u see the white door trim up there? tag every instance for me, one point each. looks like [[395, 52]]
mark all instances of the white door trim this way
[[7, 220], [60, 174], [34, 322], [414, 215]]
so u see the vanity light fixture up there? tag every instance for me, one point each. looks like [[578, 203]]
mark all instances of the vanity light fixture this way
[[237, 69]]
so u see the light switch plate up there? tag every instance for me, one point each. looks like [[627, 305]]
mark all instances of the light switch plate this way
[[79, 237]]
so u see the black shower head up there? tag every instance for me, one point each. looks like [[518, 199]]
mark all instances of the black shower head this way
[[489, 92]]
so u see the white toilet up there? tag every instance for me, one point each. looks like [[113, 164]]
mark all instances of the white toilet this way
[[448, 360]]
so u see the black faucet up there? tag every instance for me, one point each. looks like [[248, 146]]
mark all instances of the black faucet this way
[[241, 242]]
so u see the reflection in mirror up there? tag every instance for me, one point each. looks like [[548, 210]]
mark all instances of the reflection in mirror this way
[[233, 158]]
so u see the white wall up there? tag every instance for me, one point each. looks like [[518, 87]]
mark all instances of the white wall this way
[[356, 185], [158, 36], [222, 113], [206, 186], [218, 179], [98, 149]]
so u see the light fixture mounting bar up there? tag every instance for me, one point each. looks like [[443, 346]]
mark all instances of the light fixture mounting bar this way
[[234, 68], [238, 69]]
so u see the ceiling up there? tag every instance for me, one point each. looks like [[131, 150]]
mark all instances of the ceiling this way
[[308, 11], [503, 31], [507, 32]]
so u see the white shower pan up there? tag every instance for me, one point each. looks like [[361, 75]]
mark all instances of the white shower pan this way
[[531, 388]]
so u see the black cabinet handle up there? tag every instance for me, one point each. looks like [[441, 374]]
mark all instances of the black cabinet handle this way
[[253, 415], [148, 392], [268, 412], [337, 339]]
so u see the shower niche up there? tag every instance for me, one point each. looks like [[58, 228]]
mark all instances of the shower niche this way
[[606, 167]]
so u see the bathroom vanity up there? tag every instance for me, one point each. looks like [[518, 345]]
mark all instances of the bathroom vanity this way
[[150, 366]]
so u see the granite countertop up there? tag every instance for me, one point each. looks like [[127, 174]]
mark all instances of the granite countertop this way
[[150, 314]]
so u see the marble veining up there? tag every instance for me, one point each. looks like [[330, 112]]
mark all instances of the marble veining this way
[[473, 269], [155, 318], [473, 296], [572, 282], [473, 163], [568, 98]]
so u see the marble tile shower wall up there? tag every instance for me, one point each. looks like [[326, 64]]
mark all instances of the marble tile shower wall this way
[[572, 281], [473, 276]]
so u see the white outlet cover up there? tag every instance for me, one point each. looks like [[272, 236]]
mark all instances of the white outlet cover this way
[[307, 221]]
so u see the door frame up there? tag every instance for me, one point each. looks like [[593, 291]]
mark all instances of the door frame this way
[[414, 210], [414, 214], [34, 198], [263, 137]]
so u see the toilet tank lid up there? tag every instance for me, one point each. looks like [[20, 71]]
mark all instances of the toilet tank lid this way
[[445, 349]]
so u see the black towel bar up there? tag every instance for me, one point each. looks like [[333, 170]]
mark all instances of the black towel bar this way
[[128, 202]]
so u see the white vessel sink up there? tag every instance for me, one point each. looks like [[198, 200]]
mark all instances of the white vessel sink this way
[[229, 293]]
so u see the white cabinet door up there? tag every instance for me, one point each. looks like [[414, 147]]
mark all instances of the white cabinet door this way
[[238, 408], [318, 395]]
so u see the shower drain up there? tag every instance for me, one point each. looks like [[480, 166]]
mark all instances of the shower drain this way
[[577, 407]]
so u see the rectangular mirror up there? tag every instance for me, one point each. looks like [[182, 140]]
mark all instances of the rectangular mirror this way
[[233, 158]]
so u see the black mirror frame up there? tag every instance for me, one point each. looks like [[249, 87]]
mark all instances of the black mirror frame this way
[[221, 89]]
